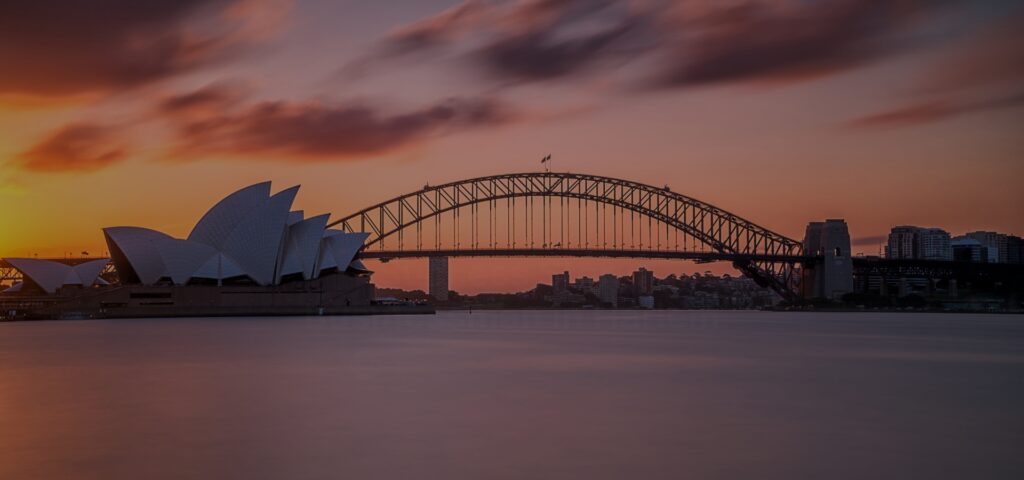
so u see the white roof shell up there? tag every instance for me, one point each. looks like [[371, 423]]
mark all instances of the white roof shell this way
[[338, 249], [182, 258], [51, 275], [256, 242], [139, 248], [220, 221], [302, 247], [218, 267]]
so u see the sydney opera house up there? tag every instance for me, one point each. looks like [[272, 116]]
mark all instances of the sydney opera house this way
[[249, 237], [250, 254]]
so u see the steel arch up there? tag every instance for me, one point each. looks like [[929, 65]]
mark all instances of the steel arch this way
[[720, 230]]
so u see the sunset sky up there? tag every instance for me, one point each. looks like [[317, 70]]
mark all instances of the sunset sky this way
[[882, 112]]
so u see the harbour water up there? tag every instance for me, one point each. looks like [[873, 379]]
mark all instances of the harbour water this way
[[516, 395]]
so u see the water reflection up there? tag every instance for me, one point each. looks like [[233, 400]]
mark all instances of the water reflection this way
[[516, 395]]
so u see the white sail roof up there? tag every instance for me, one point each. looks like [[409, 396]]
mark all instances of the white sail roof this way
[[182, 258], [135, 250], [326, 258], [218, 267], [219, 222], [343, 247], [51, 275], [302, 247], [255, 243], [88, 273]]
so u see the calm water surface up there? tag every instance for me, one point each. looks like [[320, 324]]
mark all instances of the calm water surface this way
[[516, 395]]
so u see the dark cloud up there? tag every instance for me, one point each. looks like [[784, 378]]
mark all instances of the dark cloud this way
[[79, 147], [421, 37], [326, 132], [686, 43], [438, 29], [870, 241], [57, 48], [522, 40], [560, 38], [755, 40], [978, 73], [211, 98], [914, 114], [934, 111], [992, 57]]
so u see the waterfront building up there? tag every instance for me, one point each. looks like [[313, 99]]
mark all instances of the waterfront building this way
[[249, 238], [643, 282], [910, 242], [584, 283], [250, 254], [608, 289], [933, 244], [902, 243], [1014, 249], [995, 242], [560, 282], [967, 249]]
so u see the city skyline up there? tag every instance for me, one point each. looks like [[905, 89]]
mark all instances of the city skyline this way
[[909, 117]]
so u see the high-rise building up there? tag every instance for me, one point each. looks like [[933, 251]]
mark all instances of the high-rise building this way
[[907, 242], [967, 249], [933, 244], [584, 283], [902, 242], [560, 282], [1014, 248], [438, 267], [995, 242], [643, 282], [608, 289]]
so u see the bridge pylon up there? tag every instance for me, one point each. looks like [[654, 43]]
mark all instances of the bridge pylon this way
[[832, 276], [438, 278]]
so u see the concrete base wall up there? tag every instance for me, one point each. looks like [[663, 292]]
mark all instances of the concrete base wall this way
[[338, 294]]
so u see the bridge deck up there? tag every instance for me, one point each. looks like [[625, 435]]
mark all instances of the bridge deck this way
[[582, 252]]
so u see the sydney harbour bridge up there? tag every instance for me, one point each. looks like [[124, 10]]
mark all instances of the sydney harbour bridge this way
[[549, 214], [572, 215]]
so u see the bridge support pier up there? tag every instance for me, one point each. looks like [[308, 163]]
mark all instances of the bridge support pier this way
[[438, 278], [833, 277]]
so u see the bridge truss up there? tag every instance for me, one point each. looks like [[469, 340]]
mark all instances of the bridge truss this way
[[568, 214]]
